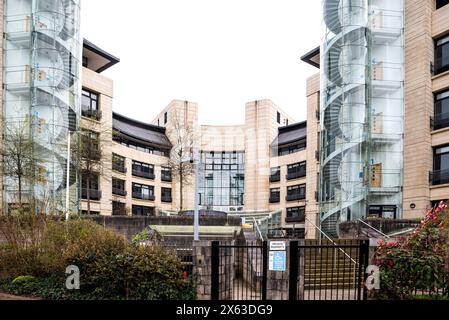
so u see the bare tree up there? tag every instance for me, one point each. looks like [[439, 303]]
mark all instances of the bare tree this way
[[93, 162], [19, 163], [184, 138]]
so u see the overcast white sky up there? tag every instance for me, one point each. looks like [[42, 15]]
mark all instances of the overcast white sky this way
[[218, 53]]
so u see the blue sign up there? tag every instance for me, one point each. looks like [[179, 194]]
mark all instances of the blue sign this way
[[278, 260]]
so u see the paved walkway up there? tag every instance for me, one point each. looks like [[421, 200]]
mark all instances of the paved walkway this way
[[4, 296]]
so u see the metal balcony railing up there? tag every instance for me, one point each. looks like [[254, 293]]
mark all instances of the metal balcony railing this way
[[439, 121], [143, 174], [92, 114], [140, 196], [296, 175], [298, 219], [119, 192], [167, 199], [166, 177], [439, 177], [119, 168], [92, 193], [275, 198], [275, 177], [295, 197]]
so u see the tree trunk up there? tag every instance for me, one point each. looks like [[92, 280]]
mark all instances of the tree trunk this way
[[20, 192], [88, 194], [180, 187]]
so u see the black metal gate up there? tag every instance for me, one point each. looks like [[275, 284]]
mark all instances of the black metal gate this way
[[328, 270], [318, 270], [239, 271]]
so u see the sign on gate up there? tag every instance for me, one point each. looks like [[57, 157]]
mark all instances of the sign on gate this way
[[277, 246], [278, 260]]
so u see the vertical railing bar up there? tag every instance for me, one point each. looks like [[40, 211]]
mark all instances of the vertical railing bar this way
[[264, 270], [326, 278], [365, 266], [344, 277], [215, 270], [293, 276]]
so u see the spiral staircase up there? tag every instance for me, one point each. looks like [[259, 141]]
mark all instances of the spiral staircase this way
[[346, 43]]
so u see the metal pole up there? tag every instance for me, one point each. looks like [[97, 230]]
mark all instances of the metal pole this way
[[67, 191], [196, 226]]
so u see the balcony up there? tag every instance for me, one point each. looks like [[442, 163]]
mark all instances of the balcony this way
[[166, 177], [299, 219], [439, 177], [167, 199], [143, 174], [296, 175], [295, 197], [140, 196], [93, 194], [275, 198], [439, 121], [119, 192], [275, 177], [119, 168], [92, 114]]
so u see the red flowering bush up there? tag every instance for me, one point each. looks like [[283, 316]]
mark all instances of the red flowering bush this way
[[417, 265]]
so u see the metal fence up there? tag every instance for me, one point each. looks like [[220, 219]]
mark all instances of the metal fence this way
[[328, 270]]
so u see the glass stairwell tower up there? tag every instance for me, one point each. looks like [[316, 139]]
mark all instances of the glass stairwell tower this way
[[362, 111], [41, 99]]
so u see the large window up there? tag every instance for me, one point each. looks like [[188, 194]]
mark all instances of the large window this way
[[166, 195], [143, 211], [296, 171], [275, 195], [90, 145], [118, 163], [275, 174], [441, 119], [166, 174], [118, 187], [90, 186], [440, 175], [223, 179], [296, 214], [441, 3], [143, 170], [442, 55], [143, 192], [293, 148], [90, 105], [118, 208], [296, 192]]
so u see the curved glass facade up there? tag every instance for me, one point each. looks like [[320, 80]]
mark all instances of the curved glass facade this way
[[41, 70], [362, 109]]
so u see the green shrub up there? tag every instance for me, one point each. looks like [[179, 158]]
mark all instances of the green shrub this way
[[110, 267]]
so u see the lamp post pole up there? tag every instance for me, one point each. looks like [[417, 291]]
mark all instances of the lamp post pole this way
[[196, 222], [67, 191]]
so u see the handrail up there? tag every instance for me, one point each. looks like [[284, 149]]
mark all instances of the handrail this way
[[256, 226], [371, 227], [333, 242]]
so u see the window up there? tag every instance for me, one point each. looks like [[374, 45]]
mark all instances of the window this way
[[118, 208], [279, 118], [166, 195], [118, 163], [90, 105], [275, 195], [440, 175], [143, 192], [143, 170], [297, 170], [296, 192], [441, 3], [296, 214], [165, 118], [441, 118], [293, 148], [223, 179], [90, 185], [275, 174], [90, 145], [118, 187], [142, 211], [166, 174], [442, 55], [140, 147]]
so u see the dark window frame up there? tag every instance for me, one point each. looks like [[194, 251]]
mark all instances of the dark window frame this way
[[441, 63], [138, 210], [138, 192], [296, 214], [275, 195], [92, 108], [441, 3], [296, 192], [143, 170], [297, 170]]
